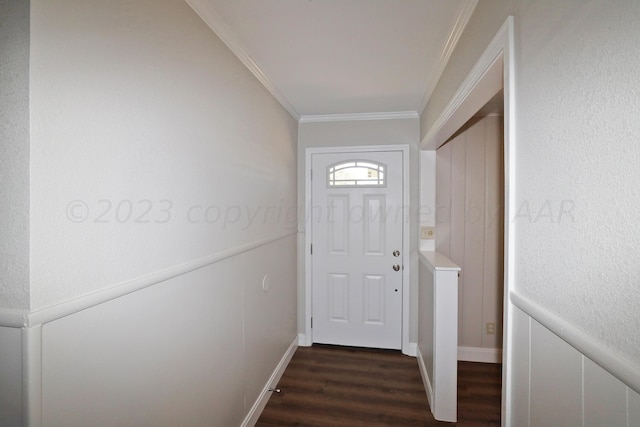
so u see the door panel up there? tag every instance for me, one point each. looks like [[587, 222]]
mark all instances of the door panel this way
[[338, 224], [338, 298], [356, 226], [374, 299], [374, 225]]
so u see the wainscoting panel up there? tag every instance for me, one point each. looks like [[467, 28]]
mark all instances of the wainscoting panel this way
[[605, 398], [268, 331], [197, 349], [10, 377], [553, 383], [633, 400], [520, 366], [556, 380], [171, 354]]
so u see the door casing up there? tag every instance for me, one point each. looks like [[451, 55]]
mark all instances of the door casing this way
[[495, 66], [307, 339]]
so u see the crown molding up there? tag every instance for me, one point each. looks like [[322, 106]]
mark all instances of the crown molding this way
[[391, 115], [464, 14], [218, 26], [469, 97]]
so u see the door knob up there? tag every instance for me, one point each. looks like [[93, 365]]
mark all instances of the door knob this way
[[396, 253], [396, 267]]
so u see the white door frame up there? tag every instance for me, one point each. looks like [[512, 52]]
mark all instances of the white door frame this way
[[308, 273], [496, 66]]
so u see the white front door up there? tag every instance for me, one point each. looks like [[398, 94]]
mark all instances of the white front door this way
[[357, 226]]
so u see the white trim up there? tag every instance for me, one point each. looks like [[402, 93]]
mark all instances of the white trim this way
[[406, 276], [490, 115], [392, 115], [66, 308], [254, 413], [412, 349], [435, 261], [12, 318], [406, 247], [462, 19], [213, 21], [506, 36], [480, 354], [457, 111], [425, 379], [617, 365], [32, 376], [482, 78], [304, 341]]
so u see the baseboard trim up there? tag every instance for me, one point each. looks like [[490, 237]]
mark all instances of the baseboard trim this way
[[480, 354], [411, 350], [252, 417], [303, 341], [20, 319], [614, 363], [425, 379]]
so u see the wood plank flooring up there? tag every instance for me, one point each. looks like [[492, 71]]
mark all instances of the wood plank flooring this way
[[332, 386]]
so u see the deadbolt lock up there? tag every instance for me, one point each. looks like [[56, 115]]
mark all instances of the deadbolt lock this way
[[396, 253]]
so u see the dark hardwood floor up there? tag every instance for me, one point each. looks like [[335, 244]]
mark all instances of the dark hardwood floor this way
[[343, 386]]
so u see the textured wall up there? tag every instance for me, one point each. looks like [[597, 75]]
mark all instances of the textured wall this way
[[14, 154], [583, 150], [152, 145], [577, 156]]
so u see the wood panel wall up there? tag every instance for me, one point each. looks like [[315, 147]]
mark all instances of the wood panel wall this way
[[470, 225]]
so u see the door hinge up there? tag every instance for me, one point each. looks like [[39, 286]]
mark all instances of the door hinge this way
[[311, 177], [312, 323], [312, 249]]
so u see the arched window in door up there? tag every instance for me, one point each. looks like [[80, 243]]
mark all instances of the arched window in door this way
[[356, 173]]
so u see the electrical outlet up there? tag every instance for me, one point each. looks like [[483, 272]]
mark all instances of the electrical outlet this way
[[491, 328], [427, 232]]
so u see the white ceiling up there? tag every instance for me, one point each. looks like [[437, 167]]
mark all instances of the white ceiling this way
[[341, 57]]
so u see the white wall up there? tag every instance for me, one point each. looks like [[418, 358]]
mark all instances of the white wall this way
[[142, 120], [576, 156], [163, 192], [358, 133], [14, 154]]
